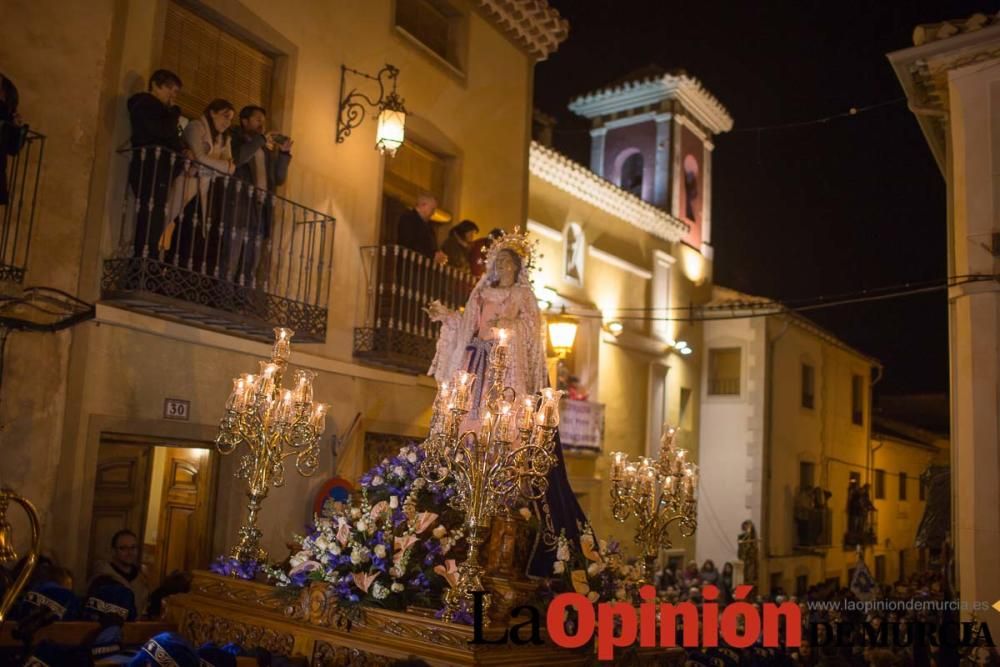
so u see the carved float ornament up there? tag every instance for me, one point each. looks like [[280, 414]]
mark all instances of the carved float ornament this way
[[210, 628]]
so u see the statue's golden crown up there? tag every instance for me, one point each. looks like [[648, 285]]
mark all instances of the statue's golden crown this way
[[517, 242]]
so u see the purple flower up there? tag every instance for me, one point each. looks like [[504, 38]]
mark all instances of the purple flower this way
[[231, 567]]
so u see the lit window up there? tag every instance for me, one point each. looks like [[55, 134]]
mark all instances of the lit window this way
[[724, 371]]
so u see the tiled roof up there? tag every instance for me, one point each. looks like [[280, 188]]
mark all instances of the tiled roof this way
[[931, 32], [533, 24], [651, 86], [572, 177]]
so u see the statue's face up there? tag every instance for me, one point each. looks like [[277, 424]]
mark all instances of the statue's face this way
[[506, 269]]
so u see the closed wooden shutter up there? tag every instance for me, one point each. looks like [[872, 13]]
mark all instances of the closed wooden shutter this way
[[213, 63], [429, 22]]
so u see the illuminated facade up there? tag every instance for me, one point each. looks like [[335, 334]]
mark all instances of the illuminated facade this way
[[952, 87], [86, 412]]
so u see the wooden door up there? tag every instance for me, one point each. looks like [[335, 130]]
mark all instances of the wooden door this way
[[184, 537], [121, 490]]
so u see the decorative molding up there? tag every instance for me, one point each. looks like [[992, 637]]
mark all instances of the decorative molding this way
[[653, 90], [544, 231], [575, 179], [201, 628], [618, 262], [532, 24]]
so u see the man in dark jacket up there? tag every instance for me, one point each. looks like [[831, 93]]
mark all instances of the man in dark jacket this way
[[414, 231], [154, 116], [262, 162]]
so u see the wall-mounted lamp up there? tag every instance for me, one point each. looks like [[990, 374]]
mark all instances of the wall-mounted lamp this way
[[391, 129], [562, 333], [682, 347], [615, 328]]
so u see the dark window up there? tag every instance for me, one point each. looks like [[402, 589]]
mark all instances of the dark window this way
[[807, 474], [775, 581], [808, 386], [631, 176], [724, 371], [686, 420], [858, 400], [433, 23], [902, 486], [880, 484], [801, 584], [880, 569]]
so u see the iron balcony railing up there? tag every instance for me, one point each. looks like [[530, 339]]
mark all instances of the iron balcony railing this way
[[202, 246], [394, 331], [24, 151]]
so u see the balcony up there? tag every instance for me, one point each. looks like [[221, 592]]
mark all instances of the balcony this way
[[17, 216], [815, 530], [394, 331], [239, 260]]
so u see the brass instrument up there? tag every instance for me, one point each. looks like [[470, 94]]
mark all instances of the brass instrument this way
[[7, 552]]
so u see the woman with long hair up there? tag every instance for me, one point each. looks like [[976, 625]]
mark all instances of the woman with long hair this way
[[207, 137]]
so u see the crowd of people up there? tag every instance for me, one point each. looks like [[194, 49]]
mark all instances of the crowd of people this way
[[921, 598], [188, 207]]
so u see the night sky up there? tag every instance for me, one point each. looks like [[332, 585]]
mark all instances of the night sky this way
[[846, 205]]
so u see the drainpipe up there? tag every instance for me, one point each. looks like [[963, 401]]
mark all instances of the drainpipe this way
[[870, 463], [765, 514]]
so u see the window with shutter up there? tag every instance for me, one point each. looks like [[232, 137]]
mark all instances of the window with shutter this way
[[433, 23], [213, 63]]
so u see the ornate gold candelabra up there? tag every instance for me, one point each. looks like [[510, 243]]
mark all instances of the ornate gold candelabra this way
[[507, 460], [275, 423], [7, 552], [658, 493]]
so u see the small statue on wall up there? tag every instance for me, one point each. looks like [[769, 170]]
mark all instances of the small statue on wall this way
[[747, 551]]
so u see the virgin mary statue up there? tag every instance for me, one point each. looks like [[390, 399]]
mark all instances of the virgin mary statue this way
[[503, 299]]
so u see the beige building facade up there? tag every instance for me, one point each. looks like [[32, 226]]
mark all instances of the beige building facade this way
[[786, 439], [952, 87], [87, 407]]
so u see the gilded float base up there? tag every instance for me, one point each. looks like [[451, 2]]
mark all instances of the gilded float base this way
[[221, 610]]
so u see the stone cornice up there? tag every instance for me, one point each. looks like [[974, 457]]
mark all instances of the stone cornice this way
[[632, 94], [531, 24], [923, 73], [575, 179]]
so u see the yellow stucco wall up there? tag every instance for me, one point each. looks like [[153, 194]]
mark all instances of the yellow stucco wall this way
[[623, 364], [75, 66]]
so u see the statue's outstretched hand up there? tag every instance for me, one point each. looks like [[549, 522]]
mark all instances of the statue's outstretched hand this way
[[437, 311]]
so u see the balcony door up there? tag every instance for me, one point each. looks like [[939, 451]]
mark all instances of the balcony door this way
[[657, 408], [164, 494]]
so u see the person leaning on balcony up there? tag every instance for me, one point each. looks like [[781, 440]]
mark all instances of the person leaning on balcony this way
[[414, 231], [208, 139], [154, 116], [12, 131], [456, 246], [478, 249], [263, 163]]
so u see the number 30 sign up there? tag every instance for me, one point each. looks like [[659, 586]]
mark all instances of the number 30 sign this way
[[175, 408]]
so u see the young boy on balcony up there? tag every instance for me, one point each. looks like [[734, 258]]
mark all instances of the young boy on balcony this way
[[154, 116]]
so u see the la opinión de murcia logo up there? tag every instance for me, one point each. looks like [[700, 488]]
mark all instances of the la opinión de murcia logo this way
[[739, 624]]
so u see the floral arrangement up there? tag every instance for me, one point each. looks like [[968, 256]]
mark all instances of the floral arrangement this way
[[398, 546], [598, 569]]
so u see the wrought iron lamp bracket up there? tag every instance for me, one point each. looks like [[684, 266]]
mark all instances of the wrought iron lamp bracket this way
[[353, 102]]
